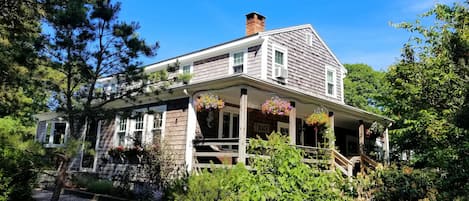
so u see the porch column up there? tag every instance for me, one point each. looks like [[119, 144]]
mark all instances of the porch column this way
[[332, 124], [361, 137], [332, 143], [361, 143], [292, 124], [386, 145], [191, 127], [243, 109]]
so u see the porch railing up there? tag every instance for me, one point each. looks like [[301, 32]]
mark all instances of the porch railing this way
[[223, 152]]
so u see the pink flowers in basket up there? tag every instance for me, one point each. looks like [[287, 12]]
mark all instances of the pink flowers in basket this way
[[276, 106], [208, 102]]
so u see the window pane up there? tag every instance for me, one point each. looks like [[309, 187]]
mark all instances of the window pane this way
[[226, 125], [157, 120], [330, 89], [186, 69], [139, 122], [120, 140], [238, 69], [278, 57], [138, 138], [122, 125], [330, 76], [238, 58], [59, 133]]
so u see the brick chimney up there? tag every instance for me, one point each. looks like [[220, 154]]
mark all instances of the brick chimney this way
[[255, 23]]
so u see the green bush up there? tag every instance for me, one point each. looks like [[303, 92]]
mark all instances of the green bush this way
[[101, 187], [400, 184], [19, 160], [282, 176]]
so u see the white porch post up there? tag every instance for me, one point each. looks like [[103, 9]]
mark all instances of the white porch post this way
[[190, 134], [292, 124], [386, 145], [243, 109], [332, 124], [361, 143]]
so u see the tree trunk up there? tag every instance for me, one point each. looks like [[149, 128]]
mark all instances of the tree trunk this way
[[60, 179]]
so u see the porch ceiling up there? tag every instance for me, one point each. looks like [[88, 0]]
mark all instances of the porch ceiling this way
[[259, 90]]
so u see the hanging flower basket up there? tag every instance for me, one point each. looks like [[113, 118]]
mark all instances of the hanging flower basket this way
[[208, 102], [276, 106], [318, 119]]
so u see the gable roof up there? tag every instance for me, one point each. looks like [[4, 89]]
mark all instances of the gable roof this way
[[305, 26], [246, 39]]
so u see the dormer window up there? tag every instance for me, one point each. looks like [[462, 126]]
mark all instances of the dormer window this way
[[330, 81], [238, 62], [280, 70]]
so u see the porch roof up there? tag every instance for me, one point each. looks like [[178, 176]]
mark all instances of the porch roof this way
[[246, 80]]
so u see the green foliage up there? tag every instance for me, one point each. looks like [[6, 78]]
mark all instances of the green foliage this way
[[19, 156], [427, 95], [185, 77], [22, 70], [278, 174], [101, 187], [363, 86], [401, 184]]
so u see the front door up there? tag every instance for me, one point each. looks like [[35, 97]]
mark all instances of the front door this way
[[229, 124]]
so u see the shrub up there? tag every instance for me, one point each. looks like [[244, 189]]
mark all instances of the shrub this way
[[101, 187], [393, 183], [282, 176]]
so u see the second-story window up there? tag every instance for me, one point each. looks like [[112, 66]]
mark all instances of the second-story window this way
[[157, 127], [280, 70], [330, 81], [186, 69], [238, 62]]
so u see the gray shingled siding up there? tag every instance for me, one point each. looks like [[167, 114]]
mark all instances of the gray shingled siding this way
[[210, 68], [306, 64], [174, 135], [254, 61]]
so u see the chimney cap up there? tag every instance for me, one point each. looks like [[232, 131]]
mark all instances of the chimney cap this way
[[252, 14]]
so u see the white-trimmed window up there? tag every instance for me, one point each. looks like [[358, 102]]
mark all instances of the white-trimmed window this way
[[157, 128], [330, 81], [238, 62], [142, 128], [121, 132], [55, 133], [186, 69], [280, 62]]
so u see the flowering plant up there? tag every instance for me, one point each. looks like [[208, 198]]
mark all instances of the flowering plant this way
[[318, 119], [116, 151], [276, 106], [208, 102]]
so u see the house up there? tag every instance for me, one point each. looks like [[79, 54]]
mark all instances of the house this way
[[291, 63]]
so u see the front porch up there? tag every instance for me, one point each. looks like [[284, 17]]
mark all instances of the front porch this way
[[222, 136]]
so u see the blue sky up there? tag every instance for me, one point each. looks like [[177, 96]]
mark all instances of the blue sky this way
[[356, 31]]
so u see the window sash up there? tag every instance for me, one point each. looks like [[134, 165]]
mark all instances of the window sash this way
[[186, 69], [279, 57], [238, 58], [330, 84]]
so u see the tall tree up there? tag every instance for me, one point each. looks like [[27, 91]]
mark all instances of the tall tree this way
[[22, 71], [88, 44], [427, 91], [363, 86]]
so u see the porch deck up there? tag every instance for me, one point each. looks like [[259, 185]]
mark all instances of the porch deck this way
[[224, 152]]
